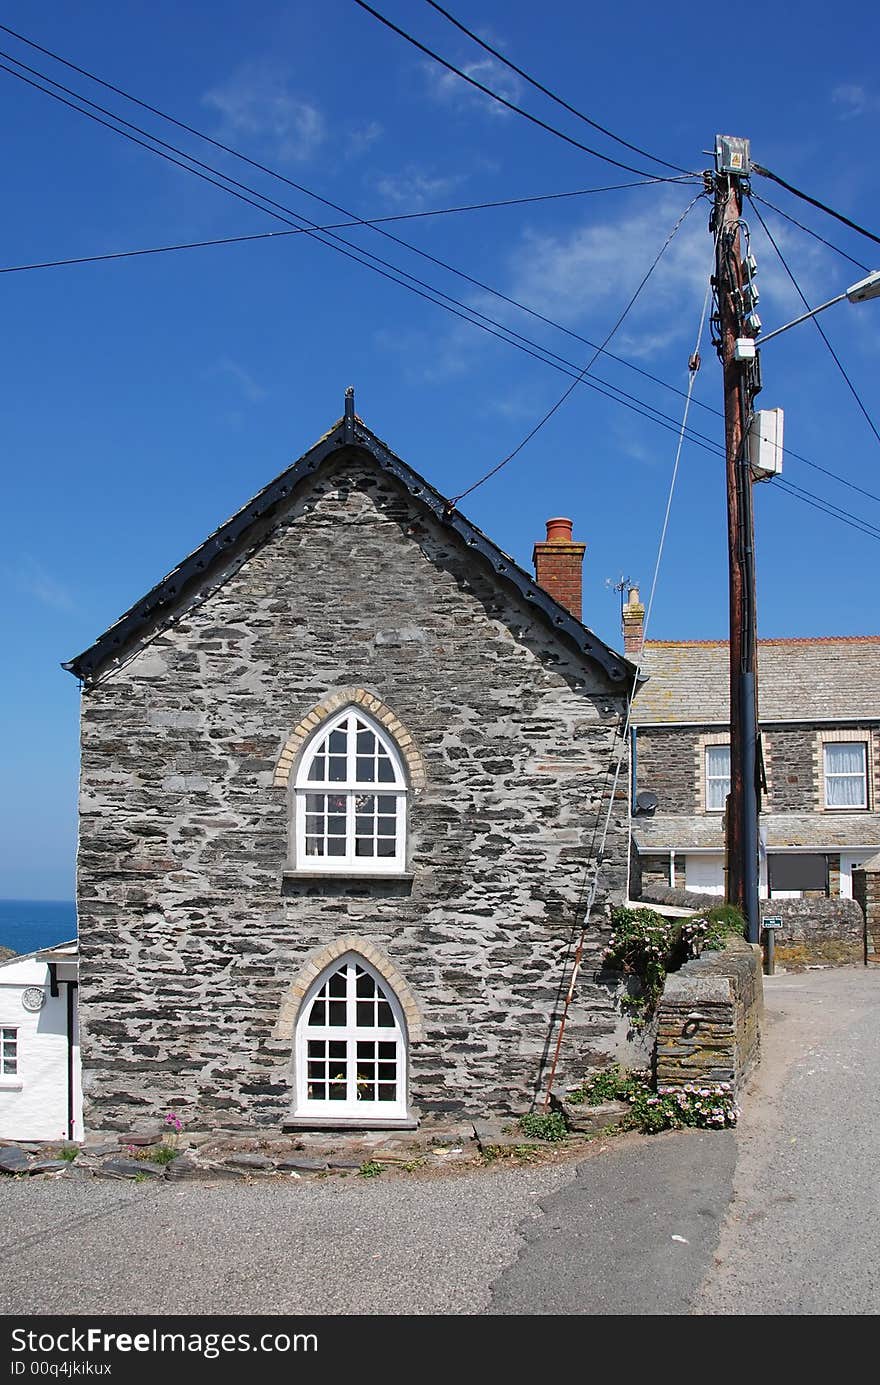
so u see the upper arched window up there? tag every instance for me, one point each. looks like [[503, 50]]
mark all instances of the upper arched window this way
[[350, 799]]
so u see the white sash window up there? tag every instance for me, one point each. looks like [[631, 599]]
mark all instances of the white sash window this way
[[350, 804], [350, 1046]]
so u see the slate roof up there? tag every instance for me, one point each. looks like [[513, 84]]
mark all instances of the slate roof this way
[[212, 561], [829, 679], [820, 831]]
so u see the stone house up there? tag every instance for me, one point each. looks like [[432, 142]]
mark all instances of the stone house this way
[[342, 771], [40, 1092], [819, 714]]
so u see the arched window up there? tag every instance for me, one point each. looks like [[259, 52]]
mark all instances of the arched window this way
[[350, 799], [351, 1046]]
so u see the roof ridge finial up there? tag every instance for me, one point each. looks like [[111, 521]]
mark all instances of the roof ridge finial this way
[[349, 414]]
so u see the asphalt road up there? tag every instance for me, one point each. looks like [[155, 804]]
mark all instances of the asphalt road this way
[[779, 1216]]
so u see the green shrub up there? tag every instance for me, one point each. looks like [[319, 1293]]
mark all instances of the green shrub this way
[[544, 1127], [613, 1083], [642, 946], [68, 1152], [370, 1168], [161, 1154], [710, 1107]]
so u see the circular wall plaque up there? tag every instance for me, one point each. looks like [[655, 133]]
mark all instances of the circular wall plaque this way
[[33, 998]]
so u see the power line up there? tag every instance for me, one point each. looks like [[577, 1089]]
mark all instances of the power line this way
[[815, 234], [805, 197], [595, 857], [502, 100], [550, 412], [333, 226], [356, 253], [487, 47], [352, 252], [817, 503], [818, 326], [648, 181]]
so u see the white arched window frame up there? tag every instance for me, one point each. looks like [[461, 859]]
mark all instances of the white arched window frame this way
[[350, 799], [351, 1047]]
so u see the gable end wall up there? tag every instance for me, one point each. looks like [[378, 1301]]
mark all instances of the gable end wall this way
[[191, 934]]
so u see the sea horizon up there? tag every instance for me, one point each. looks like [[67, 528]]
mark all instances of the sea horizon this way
[[28, 925]]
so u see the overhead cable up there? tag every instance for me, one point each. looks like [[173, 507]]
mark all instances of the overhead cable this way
[[805, 197], [815, 234], [834, 356], [595, 856], [502, 100], [487, 47], [550, 412]]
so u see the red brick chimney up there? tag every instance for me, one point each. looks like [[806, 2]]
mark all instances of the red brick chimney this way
[[633, 623], [559, 565]]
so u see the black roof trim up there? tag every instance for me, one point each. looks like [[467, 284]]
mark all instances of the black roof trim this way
[[256, 518]]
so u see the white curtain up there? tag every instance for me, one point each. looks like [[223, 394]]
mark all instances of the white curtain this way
[[845, 775], [717, 776]]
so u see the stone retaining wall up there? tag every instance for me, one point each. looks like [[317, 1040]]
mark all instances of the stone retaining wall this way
[[817, 932], [709, 1019]]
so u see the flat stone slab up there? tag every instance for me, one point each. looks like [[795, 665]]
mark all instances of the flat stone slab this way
[[13, 1160], [128, 1168], [49, 1166], [588, 1120], [501, 1134], [301, 1164], [183, 1168], [258, 1162], [139, 1140], [341, 1163]]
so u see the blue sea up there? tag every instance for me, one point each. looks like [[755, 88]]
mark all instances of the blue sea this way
[[26, 925]]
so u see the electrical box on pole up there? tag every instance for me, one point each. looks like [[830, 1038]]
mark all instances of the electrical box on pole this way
[[765, 444]]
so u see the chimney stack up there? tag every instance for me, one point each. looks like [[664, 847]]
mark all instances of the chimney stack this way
[[633, 623], [559, 565]]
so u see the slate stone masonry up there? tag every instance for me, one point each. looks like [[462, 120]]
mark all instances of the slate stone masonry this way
[[194, 923]]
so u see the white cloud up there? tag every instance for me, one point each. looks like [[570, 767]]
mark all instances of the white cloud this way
[[413, 189], [363, 137], [448, 88], [257, 102], [34, 580], [854, 100], [253, 392]]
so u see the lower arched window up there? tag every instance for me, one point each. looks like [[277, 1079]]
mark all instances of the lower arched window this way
[[351, 1046]]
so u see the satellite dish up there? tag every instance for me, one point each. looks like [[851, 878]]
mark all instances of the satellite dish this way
[[646, 801]]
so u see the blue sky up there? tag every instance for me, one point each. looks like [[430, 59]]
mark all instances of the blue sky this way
[[145, 400]]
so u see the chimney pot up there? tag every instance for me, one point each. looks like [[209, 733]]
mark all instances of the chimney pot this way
[[559, 565], [559, 531]]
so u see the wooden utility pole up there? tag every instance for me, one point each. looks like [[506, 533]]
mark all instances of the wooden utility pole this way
[[740, 384]]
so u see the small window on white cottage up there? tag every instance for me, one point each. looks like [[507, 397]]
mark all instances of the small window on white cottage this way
[[8, 1052], [350, 799], [350, 1047], [846, 780], [717, 777]]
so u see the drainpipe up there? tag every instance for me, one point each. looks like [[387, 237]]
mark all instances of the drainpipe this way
[[634, 760], [71, 1065]]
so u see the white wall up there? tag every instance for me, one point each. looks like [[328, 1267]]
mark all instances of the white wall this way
[[33, 1103]]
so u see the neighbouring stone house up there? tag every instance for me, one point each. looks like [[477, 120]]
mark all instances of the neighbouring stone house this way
[[819, 713], [341, 776], [40, 1094]]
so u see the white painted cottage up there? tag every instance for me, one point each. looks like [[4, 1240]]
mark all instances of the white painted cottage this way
[[40, 1087]]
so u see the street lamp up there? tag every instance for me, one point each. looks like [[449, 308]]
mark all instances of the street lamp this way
[[866, 288]]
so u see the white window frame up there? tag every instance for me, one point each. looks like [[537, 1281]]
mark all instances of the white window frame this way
[[352, 1110], [349, 862], [862, 775], [9, 1037], [716, 778]]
